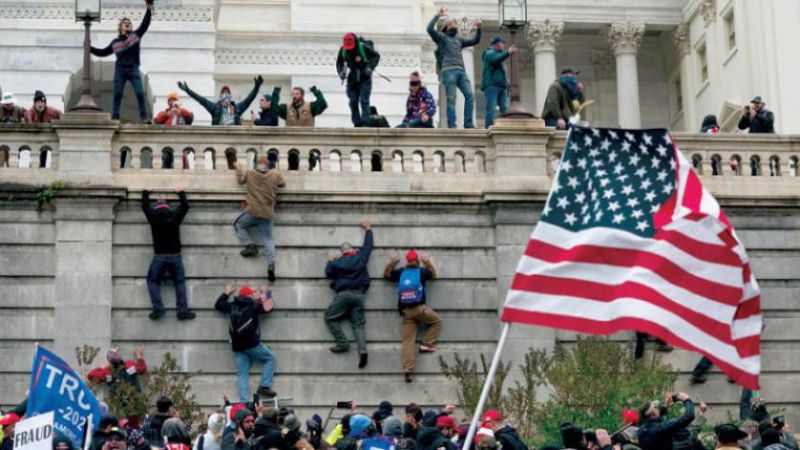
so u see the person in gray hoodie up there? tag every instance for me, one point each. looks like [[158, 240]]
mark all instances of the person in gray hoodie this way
[[450, 65]]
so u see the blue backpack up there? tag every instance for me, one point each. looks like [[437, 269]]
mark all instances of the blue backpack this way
[[410, 291], [377, 443]]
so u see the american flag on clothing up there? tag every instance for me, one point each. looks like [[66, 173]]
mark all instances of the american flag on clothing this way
[[630, 240]]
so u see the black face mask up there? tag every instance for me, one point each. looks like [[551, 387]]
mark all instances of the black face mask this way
[[452, 32]]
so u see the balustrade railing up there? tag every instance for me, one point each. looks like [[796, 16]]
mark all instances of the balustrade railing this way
[[27, 147]]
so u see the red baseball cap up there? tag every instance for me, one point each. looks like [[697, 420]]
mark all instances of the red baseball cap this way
[[234, 409], [630, 417], [412, 256], [349, 41], [245, 291], [492, 415], [9, 419], [447, 422]]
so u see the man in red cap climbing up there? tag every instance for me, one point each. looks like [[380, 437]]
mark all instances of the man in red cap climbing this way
[[244, 310], [411, 304], [355, 63]]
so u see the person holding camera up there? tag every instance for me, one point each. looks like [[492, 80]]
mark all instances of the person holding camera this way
[[657, 432], [757, 117], [299, 113], [244, 310], [175, 114]]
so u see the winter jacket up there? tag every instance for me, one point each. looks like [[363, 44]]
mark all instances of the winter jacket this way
[[153, 426], [262, 191], [346, 443], [494, 74], [763, 122], [165, 224], [558, 103], [215, 108], [394, 275], [267, 435], [509, 439], [266, 118], [419, 103], [105, 374], [657, 434], [16, 114], [167, 118], [431, 438], [349, 272], [449, 54], [7, 444], [286, 110], [126, 47], [48, 115], [361, 62], [251, 310]]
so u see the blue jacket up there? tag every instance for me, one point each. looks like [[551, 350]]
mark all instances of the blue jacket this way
[[350, 271]]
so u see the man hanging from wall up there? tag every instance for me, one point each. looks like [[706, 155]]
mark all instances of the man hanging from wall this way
[[355, 63], [262, 186], [450, 65], [165, 226], [126, 69], [225, 111], [299, 113]]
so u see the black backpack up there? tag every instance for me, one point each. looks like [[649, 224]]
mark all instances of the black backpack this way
[[243, 322]]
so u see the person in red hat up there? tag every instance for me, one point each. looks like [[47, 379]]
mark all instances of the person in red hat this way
[[449, 428], [355, 63], [505, 434], [225, 111], [175, 114], [8, 422], [245, 309], [117, 369], [411, 305]]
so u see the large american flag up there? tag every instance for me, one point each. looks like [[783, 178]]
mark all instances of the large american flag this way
[[630, 240]]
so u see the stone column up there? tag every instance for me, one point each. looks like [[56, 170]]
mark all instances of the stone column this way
[[683, 46], [543, 38], [625, 39]]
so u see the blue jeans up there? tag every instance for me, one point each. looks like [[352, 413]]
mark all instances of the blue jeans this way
[[457, 78], [121, 76], [243, 362], [495, 96], [417, 123], [174, 265], [358, 94], [245, 221]]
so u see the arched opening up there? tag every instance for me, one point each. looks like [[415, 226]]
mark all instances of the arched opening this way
[[251, 155], [146, 159], [5, 154], [716, 165], [336, 161], [755, 166], [208, 159], [793, 161], [103, 91], [397, 161], [438, 161], [45, 157], [188, 158], [355, 161], [774, 166], [125, 157], [418, 161], [736, 164], [294, 159], [230, 157], [480, 162], [458, 159], [697, 163], [376, 161], [24, 157], [314, 160], [272, 158], [167, 158]]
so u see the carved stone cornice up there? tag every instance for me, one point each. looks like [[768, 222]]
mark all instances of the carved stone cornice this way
[[681, 39], [544, 35], [303, 58], [708, 9], [67, 12], [626, 37]]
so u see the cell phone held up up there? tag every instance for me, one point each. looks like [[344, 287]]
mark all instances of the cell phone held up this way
[[344, 405]]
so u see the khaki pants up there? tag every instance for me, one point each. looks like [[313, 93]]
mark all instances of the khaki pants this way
[[412, 319]]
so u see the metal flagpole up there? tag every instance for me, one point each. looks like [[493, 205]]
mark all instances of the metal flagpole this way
[[473, 426]]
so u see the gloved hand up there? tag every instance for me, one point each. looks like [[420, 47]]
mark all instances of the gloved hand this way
[[259, 80], [182, 85], [313, 89]]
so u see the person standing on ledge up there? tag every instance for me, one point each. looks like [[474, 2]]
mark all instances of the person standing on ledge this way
[[350, 280], [355, 63], [126, 47], [225, 111], [494, 82], [165, 226], [299, 113], [450, 65]]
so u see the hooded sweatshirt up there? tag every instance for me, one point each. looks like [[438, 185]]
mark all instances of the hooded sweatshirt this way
[[212, 439], [449, 47], [250, 310], [165, 224]]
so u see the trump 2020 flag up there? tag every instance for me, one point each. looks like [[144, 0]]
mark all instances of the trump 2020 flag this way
[[56, 387], [630, 240]]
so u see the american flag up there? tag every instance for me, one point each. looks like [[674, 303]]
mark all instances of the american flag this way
[[630, 240]]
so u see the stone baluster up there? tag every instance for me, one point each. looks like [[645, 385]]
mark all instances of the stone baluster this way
[[543, 38], [625, 39]]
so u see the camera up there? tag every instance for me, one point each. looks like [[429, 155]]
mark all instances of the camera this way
[[344, 405]]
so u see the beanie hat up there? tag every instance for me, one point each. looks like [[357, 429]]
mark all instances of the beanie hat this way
[[314, 423], [39, 95], [162, 204], [358, 424], [292, 422], [215, 423], [571, 435], [225, 88], [113, 356], [429, 418], [242, 414], [496, 40], [172, 96], [392, 426], [630, 417], [245, 291], [412, 256]]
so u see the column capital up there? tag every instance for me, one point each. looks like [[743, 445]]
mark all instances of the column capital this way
[[708, 9], [681, 39], [625, 37], [544, 35]]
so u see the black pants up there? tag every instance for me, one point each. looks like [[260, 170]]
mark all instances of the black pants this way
[[641, 338], [121, 76], [358, 94]]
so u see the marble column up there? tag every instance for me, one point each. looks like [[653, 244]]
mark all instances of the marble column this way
[[625, 39], [543, 38], [683, 47]]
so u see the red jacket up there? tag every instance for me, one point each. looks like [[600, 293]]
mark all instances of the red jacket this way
[[103, 374], [165, 118]]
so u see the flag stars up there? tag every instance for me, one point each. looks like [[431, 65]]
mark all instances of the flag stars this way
[[662, 151], [642, 225], [570, 218], [662, 175], [618, 219], [582, 163], [654, 162], [637, 214], [672, 164], [566, 166], [646, 183], [580, 197], [587, 140], [667, 189], [643, 148], [633, 202], [614, 206], [618, 169], [594, 153], [586, 219], [650, 196], [596, 132], [598, 216], [585, 208], [627, 190], [608, 194], [613, 135], [563, 202], [647, 139], [629, 136], [626, 146], [573, 182], [634, 161], [597, 163], [641, 172], [601, 172], [604, 182], [605, 145]]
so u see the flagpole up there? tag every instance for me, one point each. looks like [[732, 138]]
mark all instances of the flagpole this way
[[473, 426]]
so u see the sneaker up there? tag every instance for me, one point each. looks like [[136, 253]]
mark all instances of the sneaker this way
[[250, 250], [662, 347], [362, 360], [265, 391], [427, 348], [188, 315], [157, 314], [698, 379], [271, 273], [339, 349], [408, 377]]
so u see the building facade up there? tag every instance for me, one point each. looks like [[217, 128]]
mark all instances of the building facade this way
[[645, 63]]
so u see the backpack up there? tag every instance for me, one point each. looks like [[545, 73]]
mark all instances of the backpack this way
[[377, 443], [410, 291], [243, 324]]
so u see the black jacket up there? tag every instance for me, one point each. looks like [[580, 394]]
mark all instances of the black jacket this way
[[763, 122], [431, 438], [267, 118], [350, 272], [126, 47], [267, 435], [508, 439], [252, 311], [346, 443], [165, 224], [360, 61], [152, 431], [657, 434]]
